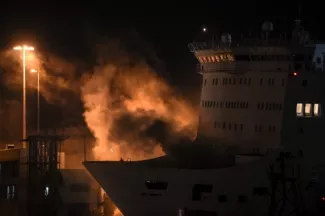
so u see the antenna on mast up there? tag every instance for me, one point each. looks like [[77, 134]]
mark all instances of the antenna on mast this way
[[298, 20]]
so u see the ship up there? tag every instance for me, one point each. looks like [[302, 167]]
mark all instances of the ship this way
[[260, 143]]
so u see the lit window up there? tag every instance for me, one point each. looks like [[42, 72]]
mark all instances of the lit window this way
[[317, 110], [10, 192], [308, 110], [46, 191], [299, 109]]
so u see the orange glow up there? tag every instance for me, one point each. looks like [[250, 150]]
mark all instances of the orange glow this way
[[109, 95], [295, 73], [117, 212], [139, 95]]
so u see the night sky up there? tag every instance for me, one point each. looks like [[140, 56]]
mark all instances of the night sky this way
[[72, 29]]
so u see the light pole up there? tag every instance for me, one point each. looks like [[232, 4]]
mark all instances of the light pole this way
[[24, 49], [38, 102]]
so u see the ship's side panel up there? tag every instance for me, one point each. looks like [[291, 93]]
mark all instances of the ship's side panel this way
[[139, 190], [242, 96]]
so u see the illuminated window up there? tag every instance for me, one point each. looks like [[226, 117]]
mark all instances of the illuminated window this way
[[10, 191], [299, 109], [46, 191], [308, 110], [317, 110]]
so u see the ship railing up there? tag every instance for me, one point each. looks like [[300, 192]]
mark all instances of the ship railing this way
[[217, 44]]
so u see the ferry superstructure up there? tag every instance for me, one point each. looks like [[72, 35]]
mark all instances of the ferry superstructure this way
[[260, 144]]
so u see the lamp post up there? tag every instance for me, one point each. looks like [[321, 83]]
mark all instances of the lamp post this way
[[38, 101], [24, 49]]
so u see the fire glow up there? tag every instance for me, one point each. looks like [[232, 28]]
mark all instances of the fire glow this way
[[138, 93]]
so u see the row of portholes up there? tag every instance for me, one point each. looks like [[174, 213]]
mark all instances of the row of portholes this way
[[242, 81], [241, 105], [269, 106], [261, 128], [240, 127], [225, 104], [229, 126]]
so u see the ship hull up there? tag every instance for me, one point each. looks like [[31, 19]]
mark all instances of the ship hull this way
[[125, 183]]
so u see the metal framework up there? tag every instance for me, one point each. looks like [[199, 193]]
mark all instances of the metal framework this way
[[286, 193], [43, 174]]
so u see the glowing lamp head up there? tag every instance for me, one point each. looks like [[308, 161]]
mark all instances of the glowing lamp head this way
[[323, 198], [204, 29], [18, 48], [29, 48], [33, 71], [295, 73]]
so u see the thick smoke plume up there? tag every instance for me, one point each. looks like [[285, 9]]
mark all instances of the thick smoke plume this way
[[133, 113], [130, 110]]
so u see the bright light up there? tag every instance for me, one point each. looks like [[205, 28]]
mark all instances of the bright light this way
[[33, 71], [18, 48], [295, 73], [204, 29], [323, 198], [29, 48], [112, 150]]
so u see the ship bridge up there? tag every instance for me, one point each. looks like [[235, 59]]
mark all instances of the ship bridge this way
[[244, 83]]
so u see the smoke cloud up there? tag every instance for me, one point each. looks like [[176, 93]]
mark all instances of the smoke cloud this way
[[133, 113], [130, 110], [58, 77]]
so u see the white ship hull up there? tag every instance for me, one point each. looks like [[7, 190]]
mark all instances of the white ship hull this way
[[232, 188]]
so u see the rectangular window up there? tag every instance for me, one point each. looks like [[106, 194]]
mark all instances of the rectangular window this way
[[260, 191], [317, 110], [153, 185], [222, 198], [10, 192], [199, 189], [46, 191], [308, 110], [299, 109]]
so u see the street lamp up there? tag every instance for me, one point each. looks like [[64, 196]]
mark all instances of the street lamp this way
[[24, 49], [38, 102]]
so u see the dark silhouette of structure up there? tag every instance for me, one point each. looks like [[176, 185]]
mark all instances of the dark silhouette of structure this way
[[43, 174]]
